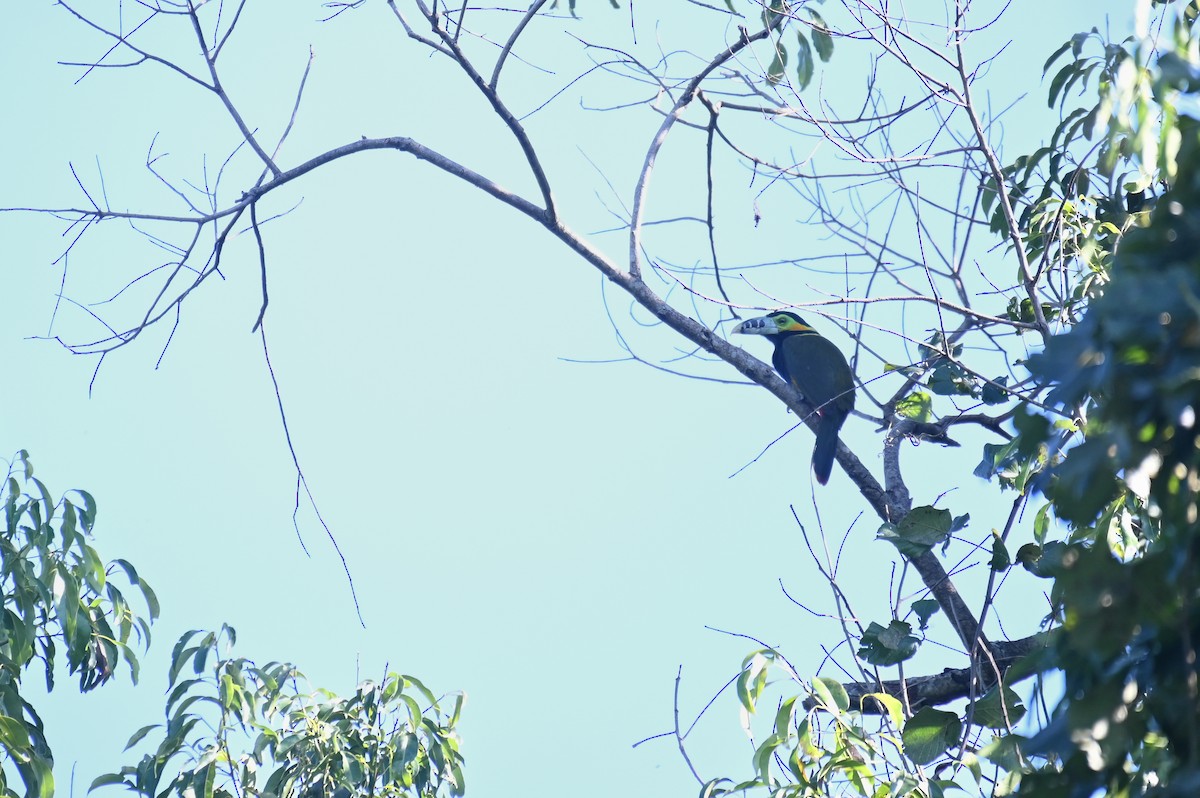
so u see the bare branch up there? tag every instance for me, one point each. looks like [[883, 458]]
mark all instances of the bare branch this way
[[124, 40], [681, 104], [534, 8], [262, 263], [450, 45], [210, 58]]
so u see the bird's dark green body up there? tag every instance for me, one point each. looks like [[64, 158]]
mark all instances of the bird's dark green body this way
[[818, 370]]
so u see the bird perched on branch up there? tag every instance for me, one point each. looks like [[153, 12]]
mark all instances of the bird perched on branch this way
[[817, 369]]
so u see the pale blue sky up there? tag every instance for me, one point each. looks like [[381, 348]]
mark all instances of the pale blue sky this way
[[553, 538]]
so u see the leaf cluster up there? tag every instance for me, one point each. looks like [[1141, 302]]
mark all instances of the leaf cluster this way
[[57, 595], [238, 728], [1125, 580], [827, 744], [774, 17]]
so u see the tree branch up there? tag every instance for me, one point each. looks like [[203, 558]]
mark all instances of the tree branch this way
[[685, 99], [937, 689]]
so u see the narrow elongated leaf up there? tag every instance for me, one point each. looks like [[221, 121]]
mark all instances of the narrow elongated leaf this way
[[88, 516], [138, 735], [778, 66], [820, 35], [804, 62], [47, 500], [108, 779]]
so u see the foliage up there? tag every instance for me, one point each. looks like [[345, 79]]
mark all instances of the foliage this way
[[57, 592], [821, 746], [231, 722], [774, 16], [389, 739], [1125, 371], [1130, 371]]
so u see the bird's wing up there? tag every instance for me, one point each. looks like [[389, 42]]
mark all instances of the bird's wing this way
[[818, 369]]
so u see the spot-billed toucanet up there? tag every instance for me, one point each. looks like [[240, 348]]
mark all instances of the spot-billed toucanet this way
[[818, 370]]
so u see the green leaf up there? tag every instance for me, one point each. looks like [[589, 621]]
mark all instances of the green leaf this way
[[774, 14], [1000, 560], [713, 789], [998, 459], [752, 681], [1060, 81], [130, 572], [413, 681], [929, 734], [66, 590], [200, 659], [922, 529], [888, 645], [1044, 561], [1005, 751], [42, 778], [178, 692], [778, 67], [994, 391], [47, 500], [135, 668], [950, 379], [990, 711], [764, 755], [88, 515], [138, 735], [151, 601], [1041, 523], [820, 35], [925, 608], [107, 780], [14, 737], [178, 664], [26, 465], [804, 62], [460, 701], [830, 694], [917, 406], [1053, 56], [180, 654], [783, 718], [988, 195], [207, 778], [891, 704]]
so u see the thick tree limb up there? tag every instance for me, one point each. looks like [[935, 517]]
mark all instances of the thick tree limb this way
[[937, 689]]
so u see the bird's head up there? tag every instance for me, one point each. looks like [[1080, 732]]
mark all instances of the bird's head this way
[[777, 323]]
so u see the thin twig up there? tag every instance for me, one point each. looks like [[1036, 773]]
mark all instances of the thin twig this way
[[302, 482]]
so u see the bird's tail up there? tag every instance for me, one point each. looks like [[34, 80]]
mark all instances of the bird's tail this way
[[825, 449]]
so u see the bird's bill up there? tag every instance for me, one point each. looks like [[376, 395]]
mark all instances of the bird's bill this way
[[763, 325]]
